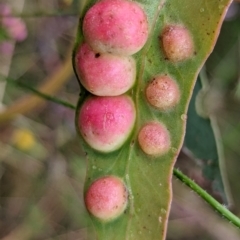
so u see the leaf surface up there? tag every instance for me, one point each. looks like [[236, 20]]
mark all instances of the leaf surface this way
[[148, 179]]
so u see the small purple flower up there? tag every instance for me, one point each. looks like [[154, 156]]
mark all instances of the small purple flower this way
[[5, 10], [15, 27]]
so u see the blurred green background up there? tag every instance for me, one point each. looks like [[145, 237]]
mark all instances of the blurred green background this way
[[42, 165]]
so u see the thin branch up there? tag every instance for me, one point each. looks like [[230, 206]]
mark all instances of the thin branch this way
[[50, 85], [40, 94], [208, 198]]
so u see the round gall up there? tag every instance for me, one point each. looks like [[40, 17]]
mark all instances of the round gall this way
[[106, 198], [154, 139], [116, 26], [163, 92], [177, 43], [106, 122], [104, 74]]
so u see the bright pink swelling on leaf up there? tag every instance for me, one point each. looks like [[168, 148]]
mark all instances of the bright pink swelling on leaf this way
[[106, 198], [104, 74], [116, 26], [106, 122], [154, 139]]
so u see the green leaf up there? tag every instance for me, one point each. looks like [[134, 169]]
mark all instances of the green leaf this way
[[148, 179]]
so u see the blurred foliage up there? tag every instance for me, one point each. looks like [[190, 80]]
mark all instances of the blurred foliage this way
[[223, 97], [41, 186], [200, 140]]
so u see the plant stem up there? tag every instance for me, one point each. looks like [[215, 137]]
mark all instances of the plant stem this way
[[50, 85], [208, 198], [40, 94], [177, 173]]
